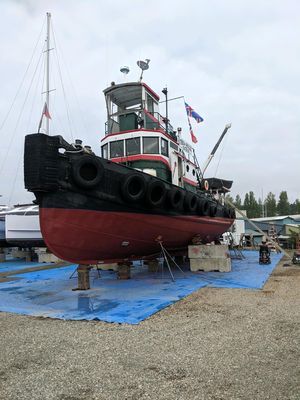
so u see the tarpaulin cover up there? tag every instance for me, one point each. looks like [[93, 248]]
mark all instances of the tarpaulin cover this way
[[48, 293]]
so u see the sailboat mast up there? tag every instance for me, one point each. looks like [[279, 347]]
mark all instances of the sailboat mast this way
[[48, 69]]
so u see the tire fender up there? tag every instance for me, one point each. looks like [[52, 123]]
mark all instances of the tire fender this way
[[133, 188], [87, 171]]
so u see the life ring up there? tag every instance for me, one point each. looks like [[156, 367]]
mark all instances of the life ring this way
[[156, 193], [133, 188], [206, 185], [87, 171], [191, 202], [175, 198]]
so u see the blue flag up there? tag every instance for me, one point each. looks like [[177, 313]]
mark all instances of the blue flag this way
[[192, 113]]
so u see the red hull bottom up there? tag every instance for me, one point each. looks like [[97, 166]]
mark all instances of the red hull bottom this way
[[89, 237]]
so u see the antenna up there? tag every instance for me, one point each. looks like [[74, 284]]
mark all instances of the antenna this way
[[144, 65], [125, 70]]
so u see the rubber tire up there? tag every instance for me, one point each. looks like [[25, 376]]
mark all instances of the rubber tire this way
[[213, 210], [205, 207], [127, 194], [176, 198], [154, 185], [191, 202], [77, 166]]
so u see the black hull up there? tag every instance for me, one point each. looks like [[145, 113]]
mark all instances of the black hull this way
[[92, 209], [85, 181]]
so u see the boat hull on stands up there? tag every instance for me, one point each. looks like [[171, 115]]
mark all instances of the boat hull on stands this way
[[92, 209], [89, 236]]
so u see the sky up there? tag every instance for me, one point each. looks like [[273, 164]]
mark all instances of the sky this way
[[234, 62]]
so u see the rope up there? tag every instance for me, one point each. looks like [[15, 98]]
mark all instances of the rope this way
[[15, 178], [83, 121], [34, 96], [20, 115], [23, 79], [62, 85], [221, 154]]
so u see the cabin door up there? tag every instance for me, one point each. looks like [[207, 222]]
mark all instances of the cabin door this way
[[180, 172]]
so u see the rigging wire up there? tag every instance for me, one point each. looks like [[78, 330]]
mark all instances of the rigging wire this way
[[23, 78], [221, 154], [34, 98], [20, 159], [83, 120], [62, 85], [20, 114]]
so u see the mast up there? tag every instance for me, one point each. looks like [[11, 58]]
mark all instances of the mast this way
[[210, 157], [48, 69]]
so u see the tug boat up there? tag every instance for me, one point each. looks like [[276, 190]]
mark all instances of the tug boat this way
[[144, 190]]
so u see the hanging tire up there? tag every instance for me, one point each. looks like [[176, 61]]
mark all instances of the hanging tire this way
[[175, 198], [87, 171], [156, 193], [133, 188], [190, 202]]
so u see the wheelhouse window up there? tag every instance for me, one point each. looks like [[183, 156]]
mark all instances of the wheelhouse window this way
[[164, 147], [104, 151], [150, 145], [150, 104], [117, 148], [133, 146]]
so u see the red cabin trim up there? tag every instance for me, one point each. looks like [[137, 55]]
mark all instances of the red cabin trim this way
[[186, 159], [148, 88], [141, 157], [151, 116]]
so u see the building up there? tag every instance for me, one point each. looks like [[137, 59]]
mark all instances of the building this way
[[285, 228]]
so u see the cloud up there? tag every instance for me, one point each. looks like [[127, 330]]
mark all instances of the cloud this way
[[234, 62]]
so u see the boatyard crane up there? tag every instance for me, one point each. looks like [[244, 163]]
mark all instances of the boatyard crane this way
[[210, 157]]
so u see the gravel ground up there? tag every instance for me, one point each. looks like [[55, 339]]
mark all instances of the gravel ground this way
[[214, 344]]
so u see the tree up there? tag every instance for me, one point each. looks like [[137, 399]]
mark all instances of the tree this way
[[246, 205], [251, 205], [295, 207], [260, 207], [283, 206], [254, 206], [238, 201], [270, 205]]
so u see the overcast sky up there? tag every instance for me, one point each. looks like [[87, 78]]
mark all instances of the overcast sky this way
[[234, 61]]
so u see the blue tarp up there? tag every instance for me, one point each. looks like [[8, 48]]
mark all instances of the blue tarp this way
[[48, 293]]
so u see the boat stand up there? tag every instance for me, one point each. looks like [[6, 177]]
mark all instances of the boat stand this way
[[83, 276], [167, 257]]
